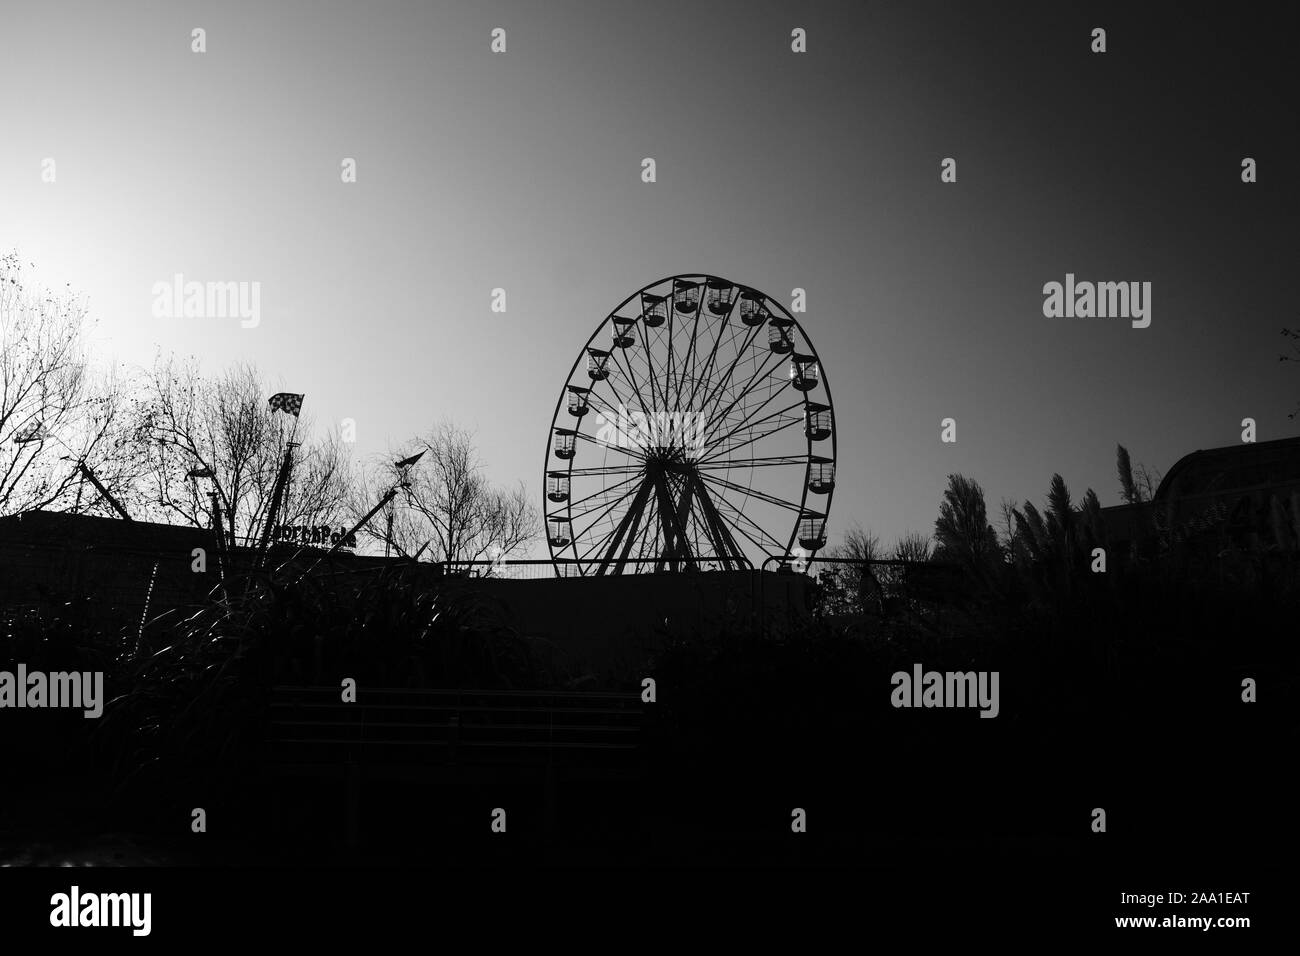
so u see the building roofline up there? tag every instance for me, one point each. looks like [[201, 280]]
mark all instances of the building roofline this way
[[1245, 450]]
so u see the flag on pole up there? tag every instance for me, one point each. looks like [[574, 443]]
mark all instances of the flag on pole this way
[[33, 432], [287, 402], [408, 462]]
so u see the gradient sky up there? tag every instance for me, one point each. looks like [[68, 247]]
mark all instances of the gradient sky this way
[[821, 170]]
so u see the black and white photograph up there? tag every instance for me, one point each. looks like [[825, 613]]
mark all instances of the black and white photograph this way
[[511, 467]]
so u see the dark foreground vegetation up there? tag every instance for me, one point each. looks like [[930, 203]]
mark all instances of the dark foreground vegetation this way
[[1121, 690]]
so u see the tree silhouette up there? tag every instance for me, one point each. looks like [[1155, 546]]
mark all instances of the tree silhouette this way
[[224, 424], [449, 511], [1137, 485], [912, 547], [962, 532], [1052, 549], [55, 410], [850, 587]]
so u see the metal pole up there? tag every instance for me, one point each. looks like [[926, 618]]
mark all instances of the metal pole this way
[[354, 529], [277, 494], [90, 476], [219, 534]]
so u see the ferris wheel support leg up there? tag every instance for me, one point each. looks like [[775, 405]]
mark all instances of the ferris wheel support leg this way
[[628, 526], [726, 545], [673, 528]]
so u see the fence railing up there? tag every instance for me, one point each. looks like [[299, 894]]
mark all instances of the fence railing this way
[[561, 567], [421, 734], [885, 572], [311, 725]]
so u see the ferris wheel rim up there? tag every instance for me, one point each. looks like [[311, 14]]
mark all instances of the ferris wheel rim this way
[[569, 551]]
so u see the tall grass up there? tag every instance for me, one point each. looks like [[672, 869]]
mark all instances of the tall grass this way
[[188, 725]]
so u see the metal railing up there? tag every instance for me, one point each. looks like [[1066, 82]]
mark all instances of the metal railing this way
[[888, 573], [311, 725], [428, 734], [530, 568]]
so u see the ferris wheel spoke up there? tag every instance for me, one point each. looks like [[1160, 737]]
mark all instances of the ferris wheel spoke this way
[[754, 492], [611, 415], [651, 345], [742, 517], [721, 450], [680, 371], [668, 364], [636, 387], [690, 352], [603, 512], [768, 461], [741, 520], [724, 451], [617, 395], [598, 470], [653, 376], [747, 389], [711, 396], [746, 424], [594, 397], [596, 494], [630, 452], [724, 324]]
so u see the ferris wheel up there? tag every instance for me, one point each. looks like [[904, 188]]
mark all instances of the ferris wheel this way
[[695, 431]]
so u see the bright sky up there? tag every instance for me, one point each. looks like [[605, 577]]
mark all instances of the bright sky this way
[[819, 170]]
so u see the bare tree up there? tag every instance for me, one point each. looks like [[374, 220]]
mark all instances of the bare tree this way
[[223, 430], [912, 547], [1008, 536], [448, 511], [55, 411], [319, 489], [849, 582]]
